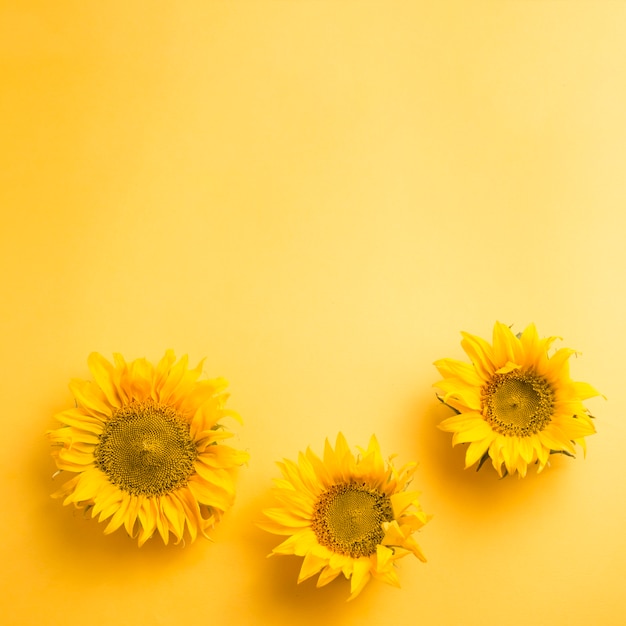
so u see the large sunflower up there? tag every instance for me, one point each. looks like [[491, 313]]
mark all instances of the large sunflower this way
[[514, 403], [145, 445], [346, 515]]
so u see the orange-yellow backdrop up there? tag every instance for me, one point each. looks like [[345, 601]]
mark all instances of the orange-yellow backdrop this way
[[318, 196]]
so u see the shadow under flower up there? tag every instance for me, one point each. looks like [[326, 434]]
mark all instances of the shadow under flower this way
[[479, 493], [69, 537], [276, 577]]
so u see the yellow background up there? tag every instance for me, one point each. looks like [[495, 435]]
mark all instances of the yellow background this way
[[317, 196]]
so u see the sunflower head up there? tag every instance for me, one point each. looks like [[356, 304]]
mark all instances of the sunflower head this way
[[144, 446], [346, 514], [515, 402]]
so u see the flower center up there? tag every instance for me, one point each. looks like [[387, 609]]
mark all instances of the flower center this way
[[518, 403], [146, 449], [348, 519]]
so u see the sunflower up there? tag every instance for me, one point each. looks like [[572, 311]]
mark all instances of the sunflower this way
[[515, 404], [145, 445], [346, 515]]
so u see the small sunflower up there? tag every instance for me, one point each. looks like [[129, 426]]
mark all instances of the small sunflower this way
[[346, 515], [514, 403], [145, 445]]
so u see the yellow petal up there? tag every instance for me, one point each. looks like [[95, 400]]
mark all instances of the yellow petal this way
[[299, 543], [78, 418], [90, 397], [388, 576], [131, 515], [104, 375], [526, 449], [478, 431], [530, 342], [393, 535], [288, 518], [476, 450], [174, 514], [480, 354], [209, 495], [311, 565], [156, 510], [452, 368], [464, 421], [87, 486], [147, 521], [360, 576], [193, 518], [509, 366], [107, 502], [119, 516], [140, 376], [402, 501], [506, 346], [510, 453], [383, 557], [220, 455], [327, 575], [558, 366], [585, 391]]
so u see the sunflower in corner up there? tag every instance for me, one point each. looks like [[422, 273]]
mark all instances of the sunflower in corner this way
[[145, 447], [346, 514], [514, 403]]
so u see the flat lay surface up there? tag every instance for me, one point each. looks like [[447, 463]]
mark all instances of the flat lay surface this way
[[318, 197]]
